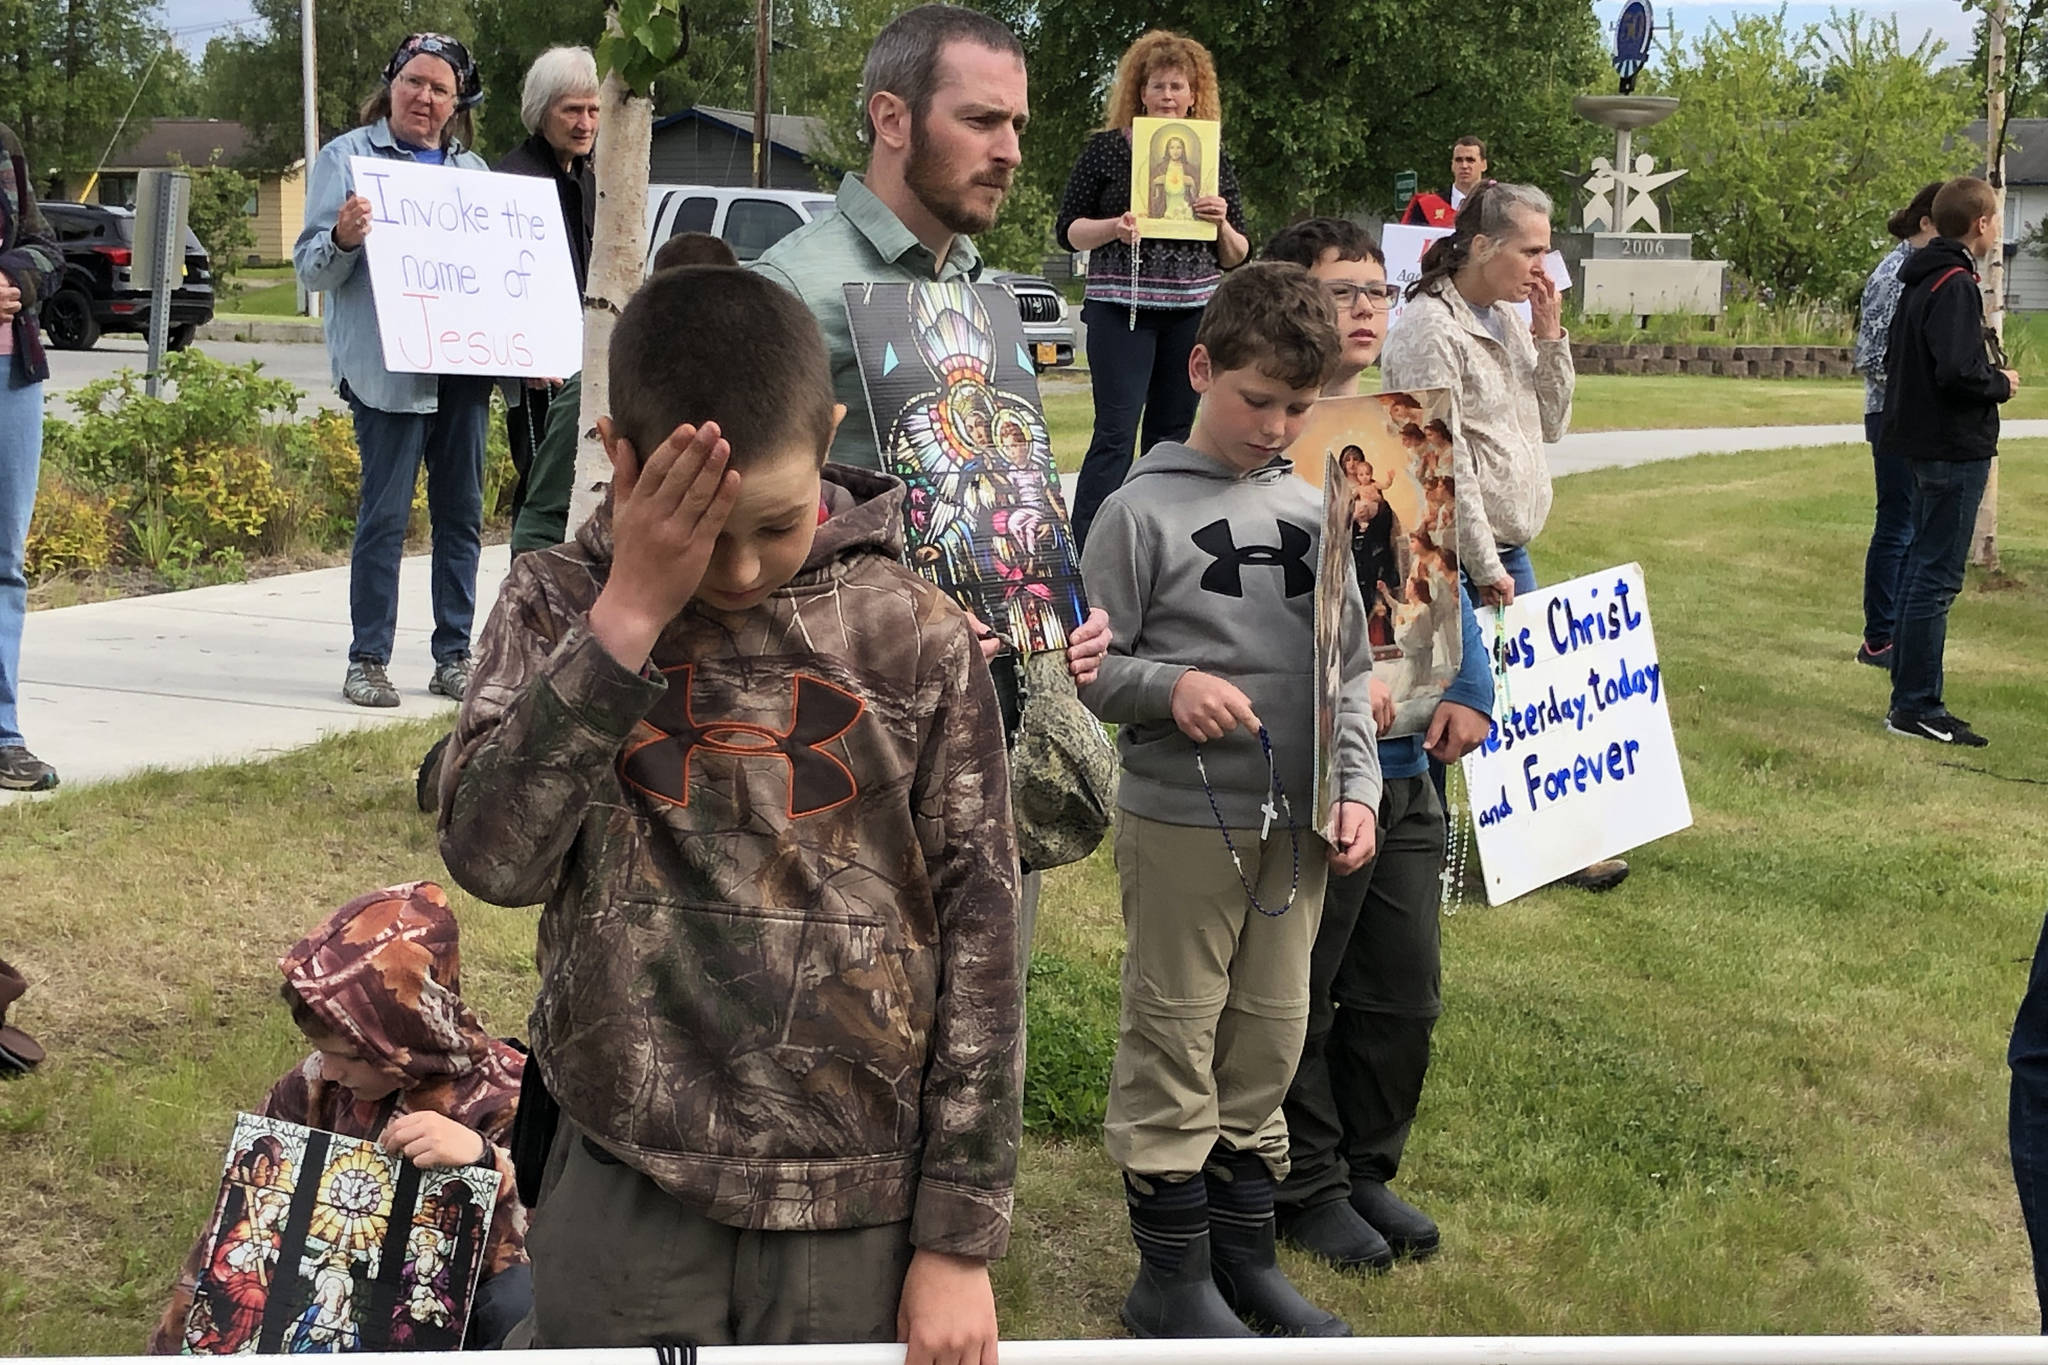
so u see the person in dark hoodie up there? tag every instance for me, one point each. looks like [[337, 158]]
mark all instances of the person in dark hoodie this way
[[755, 768], [1376, 973], [377, 989], [1942, 391], [1204, 560], [30, 261], [558, 105]]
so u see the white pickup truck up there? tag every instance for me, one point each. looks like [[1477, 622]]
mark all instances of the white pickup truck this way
[[750, 221]]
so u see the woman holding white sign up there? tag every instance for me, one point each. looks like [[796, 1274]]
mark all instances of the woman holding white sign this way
[[420, 115], [1511, 384]]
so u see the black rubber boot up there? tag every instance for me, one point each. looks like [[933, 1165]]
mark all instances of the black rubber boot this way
[[1408, 1230], [1241, 1251], [1174, 1295], [1333, 1231]]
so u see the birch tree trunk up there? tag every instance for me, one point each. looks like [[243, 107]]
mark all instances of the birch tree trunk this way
[[617, 259], [1984, 537]]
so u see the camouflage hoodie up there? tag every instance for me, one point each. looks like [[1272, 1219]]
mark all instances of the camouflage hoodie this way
[[384, 972], [779, 955]]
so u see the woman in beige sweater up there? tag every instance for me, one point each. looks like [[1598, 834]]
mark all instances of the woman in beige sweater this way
[[1511, 386], [1512, 381]]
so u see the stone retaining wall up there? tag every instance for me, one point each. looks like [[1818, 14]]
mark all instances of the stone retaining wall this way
[[1756, 362]]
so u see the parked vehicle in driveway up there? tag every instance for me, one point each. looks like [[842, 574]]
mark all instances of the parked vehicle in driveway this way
[[96, 293], [750, 221]]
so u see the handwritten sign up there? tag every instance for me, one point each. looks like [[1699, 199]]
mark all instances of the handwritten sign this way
[[1581, 764], [470, 271]]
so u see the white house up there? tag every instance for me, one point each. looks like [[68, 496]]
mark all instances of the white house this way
[[2026, 205]]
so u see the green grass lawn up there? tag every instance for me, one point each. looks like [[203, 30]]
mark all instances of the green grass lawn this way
[[1760, 1088], [266, 291], [1620, 402]]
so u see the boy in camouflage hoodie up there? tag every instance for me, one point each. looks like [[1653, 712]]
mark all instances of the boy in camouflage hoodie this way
[[756, 770]]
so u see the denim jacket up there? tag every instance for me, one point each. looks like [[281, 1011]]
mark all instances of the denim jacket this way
[[355, 348]]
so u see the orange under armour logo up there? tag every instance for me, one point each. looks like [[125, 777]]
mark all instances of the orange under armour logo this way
[[819, 714]]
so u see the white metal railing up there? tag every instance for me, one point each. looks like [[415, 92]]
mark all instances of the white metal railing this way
[[1698, 1350]]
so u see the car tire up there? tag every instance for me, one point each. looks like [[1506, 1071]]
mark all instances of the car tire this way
[[182, 336], [68, 320]]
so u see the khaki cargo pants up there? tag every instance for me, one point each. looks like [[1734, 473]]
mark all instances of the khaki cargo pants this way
[[617, 1262], [1215, 994]]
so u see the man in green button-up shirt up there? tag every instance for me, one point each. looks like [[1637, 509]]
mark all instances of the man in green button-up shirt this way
[[942, 138], [863, 240]]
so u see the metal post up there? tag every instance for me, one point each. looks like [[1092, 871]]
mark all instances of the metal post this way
[[166, 266], [309, 302], [761, 37]]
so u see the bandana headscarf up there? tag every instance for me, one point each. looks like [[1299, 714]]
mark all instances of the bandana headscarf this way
[[469, 87]]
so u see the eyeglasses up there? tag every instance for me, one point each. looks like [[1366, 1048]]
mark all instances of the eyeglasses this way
[[419, 85], [1346, 295]]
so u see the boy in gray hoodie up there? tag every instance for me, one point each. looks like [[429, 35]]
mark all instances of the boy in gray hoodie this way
[[1205, 561]]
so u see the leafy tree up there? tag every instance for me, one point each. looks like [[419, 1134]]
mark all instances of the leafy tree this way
[[70, 69], [218, 216], [1323, 105], [1800, 142]]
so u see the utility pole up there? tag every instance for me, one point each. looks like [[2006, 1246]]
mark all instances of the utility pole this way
[[309, 302], [761, 39], [1984, 538]]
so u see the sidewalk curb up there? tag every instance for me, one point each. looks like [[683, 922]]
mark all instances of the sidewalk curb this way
[[303, 330]]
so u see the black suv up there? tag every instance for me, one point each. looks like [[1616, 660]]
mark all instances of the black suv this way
[[95, 295]]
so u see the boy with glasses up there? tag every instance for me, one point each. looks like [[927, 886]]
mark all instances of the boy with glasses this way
[[1375, 970]]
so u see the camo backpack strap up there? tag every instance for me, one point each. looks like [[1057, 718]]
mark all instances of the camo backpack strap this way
[[1063, 769]]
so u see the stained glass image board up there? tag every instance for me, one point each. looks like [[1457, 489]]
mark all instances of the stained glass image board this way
[[955, 401], [321, 1243]]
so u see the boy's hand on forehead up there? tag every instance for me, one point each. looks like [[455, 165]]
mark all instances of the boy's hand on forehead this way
[[428, 1140], [667, 513]]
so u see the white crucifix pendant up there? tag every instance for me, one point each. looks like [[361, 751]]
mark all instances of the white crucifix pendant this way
[[1272, 813]]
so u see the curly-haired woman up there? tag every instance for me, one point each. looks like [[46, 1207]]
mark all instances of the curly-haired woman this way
[[1145, 298]]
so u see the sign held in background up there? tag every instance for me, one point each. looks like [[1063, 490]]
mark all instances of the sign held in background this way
[[470, 270]]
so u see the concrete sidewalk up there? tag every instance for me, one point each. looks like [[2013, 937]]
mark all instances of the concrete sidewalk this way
[[251, 670]]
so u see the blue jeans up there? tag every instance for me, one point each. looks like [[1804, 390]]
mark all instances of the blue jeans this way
[[450, 442], [1945, 498], [2027, 1118], [21, 455], [1133, 370], [1889, 537]]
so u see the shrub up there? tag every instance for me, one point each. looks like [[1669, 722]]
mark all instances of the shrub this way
[[123, 437], [222, 497], [73, 528]]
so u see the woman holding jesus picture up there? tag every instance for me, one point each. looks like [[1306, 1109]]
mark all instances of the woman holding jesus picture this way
[[419, 114], [1145, 297]]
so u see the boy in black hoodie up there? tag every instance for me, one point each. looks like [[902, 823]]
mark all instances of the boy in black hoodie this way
[[1941, 416]]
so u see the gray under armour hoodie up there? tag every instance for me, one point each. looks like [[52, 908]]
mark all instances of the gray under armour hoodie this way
[[1203, 568]]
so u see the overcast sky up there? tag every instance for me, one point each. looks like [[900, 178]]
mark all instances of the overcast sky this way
[[1944, 19]]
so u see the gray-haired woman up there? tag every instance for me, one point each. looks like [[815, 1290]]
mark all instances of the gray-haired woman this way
[[558, 104], [1511, 384], [419, 115]]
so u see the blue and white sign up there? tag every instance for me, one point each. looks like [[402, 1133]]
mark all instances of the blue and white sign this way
[[1581, 764], [1633, 32]]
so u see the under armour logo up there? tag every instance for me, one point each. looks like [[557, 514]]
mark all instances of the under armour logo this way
[[819, 714], [1226, 575]]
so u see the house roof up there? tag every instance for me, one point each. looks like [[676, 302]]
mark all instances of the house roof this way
[[2026, 149], [168, 142], [798, 134]]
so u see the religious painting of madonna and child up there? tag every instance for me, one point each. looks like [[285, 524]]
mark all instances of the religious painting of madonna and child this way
[[323, 1243], [1384, 464], [1174, 162], [954, 397]]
